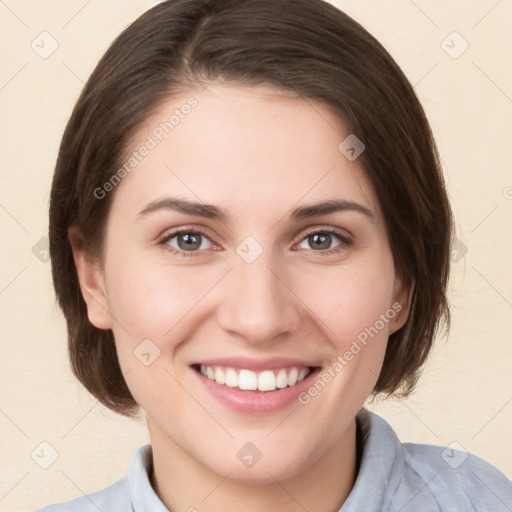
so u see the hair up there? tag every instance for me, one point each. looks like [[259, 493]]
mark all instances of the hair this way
[[307, 47]]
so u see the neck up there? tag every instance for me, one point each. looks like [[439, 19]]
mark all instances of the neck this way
[[183, 483]]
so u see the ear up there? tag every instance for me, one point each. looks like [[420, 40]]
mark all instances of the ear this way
[[401, 304], [91, 281]]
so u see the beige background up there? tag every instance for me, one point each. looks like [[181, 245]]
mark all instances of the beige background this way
[[465, 394]]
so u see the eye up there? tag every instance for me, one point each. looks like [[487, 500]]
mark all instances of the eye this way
[[191, 242], [321, 240], [186, 242]]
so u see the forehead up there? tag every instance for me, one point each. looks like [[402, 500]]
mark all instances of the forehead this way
[[251, 148]]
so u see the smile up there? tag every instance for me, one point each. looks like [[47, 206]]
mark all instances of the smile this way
[[255, 386], [266, 380]]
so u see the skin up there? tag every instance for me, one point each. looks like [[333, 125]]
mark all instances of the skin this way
[[258, 154]]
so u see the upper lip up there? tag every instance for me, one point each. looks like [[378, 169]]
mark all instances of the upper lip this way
[[256, 365]]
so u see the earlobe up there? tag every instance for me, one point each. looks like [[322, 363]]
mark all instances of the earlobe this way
[[401, 304], [91, 282]]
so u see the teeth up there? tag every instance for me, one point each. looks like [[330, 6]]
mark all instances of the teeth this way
[[302, 374], [219, 376], [231, 378], [282, 379], [292, 377], [267, 380], [247, 380]]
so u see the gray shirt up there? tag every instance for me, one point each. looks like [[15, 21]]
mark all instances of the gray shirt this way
[[393, 477]]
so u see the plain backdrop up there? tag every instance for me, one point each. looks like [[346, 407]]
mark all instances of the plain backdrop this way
[[455, 53]]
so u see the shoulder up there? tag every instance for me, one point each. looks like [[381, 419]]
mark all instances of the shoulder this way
[[132, 492], [454, 477], [113, 498], [413, 477]]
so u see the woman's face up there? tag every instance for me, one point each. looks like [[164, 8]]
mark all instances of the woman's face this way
[[262, 288]]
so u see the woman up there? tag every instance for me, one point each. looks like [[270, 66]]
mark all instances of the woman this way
[[250, 235]]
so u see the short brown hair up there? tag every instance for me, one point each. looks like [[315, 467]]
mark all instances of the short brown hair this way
[[308, 47]]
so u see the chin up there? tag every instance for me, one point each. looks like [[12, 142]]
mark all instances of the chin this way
[[262, 473], [247, 464]]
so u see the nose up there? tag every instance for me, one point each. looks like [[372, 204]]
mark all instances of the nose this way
[[258, 303]]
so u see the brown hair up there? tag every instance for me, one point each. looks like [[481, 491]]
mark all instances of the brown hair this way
[[308, 47]]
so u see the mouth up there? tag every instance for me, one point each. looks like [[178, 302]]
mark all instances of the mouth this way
[[255, 386], [265, 381]]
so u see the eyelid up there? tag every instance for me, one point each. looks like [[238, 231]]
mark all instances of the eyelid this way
[[327, 229], [345, 237]]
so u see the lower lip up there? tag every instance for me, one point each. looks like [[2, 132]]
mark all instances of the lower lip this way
[[256, 402]]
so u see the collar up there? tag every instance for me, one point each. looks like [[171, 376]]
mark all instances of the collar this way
[[381, 467], [142, 495]]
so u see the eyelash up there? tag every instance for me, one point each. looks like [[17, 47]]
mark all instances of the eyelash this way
[[345, 241]]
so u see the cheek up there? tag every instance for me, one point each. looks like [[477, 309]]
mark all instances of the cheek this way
[[149, 300], [153, 306], [155, 301], [356, 314], [353, 299]]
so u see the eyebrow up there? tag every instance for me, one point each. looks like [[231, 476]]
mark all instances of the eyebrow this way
[[211, 211]]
